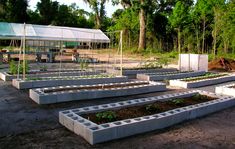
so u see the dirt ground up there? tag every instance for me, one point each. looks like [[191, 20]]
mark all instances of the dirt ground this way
[[24, 124]]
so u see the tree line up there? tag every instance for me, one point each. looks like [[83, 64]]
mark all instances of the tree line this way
[[200, 26]]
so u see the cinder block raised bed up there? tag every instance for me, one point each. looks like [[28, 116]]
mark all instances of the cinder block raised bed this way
[[66, 80], [97, 133], [226, 90], [200, 83], [131, 73], [8, 77], [168, 75], [87, 92]]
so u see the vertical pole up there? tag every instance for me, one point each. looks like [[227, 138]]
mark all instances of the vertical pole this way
[[24, 71], [121, 51]]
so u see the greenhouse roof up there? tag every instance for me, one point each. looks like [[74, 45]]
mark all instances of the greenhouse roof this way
[[51, 33]]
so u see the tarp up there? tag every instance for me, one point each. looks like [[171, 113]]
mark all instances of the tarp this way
[[51, 33]]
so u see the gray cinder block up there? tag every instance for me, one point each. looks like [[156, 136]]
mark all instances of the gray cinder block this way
[[95, 133]]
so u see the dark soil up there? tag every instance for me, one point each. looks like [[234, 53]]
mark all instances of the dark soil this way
[[222, 64], [96, 87], [149, 109]]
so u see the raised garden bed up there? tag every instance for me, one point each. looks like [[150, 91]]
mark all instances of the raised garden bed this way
[[168, 75], [131, 73], [226, 89], [87, 92], [138, 115], [66, 80], [202, 80], [5, 76]]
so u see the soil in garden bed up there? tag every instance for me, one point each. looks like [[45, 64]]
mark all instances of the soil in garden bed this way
[[145, 110], [96, 87]]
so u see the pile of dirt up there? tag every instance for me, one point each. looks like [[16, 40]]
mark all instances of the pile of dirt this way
[[222, 64]]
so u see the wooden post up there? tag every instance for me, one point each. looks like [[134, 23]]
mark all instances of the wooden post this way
[[121, 51], [24, 64]]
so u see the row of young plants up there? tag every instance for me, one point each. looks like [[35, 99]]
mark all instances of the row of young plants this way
[[166, 73], [71, 77], [14, 68], [144, 110], [208, 75]]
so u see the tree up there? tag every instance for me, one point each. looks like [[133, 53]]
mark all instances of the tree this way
[[179, 19], [16, 11], [98, 6], [48, 10]]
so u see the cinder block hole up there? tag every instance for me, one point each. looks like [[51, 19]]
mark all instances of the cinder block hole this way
[[113, 104], [184, 108], [156, 116], [75, 110], [121, 103], [127, 121], [129, 102], [137, 119], [105, 125], [70, 115], [163, 114], [143, 99], [85, 109], [190, 107], [117, 123], [74, 118], [104, 106], [136, 101], [94, 128], [80, 121], [65, 112], [146, 117], [96, 107], [171, 112], [178, 110], [87, 124]]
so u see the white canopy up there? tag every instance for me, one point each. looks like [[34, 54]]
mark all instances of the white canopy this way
[[51, 33]]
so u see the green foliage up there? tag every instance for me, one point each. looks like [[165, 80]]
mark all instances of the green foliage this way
[[13, 68], [152, 108], [178, 102], [83, 64], [106, 116], [43, 68]]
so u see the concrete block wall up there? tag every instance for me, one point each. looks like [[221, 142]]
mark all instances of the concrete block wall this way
[[200, 83], [131, 74], [7, 77], [95, 133], [40, 97], [161, 77], [69, 80]]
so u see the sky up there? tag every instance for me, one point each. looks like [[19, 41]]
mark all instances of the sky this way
[[110, 9]]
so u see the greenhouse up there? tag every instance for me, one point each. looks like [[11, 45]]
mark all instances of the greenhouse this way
[[14, 31]]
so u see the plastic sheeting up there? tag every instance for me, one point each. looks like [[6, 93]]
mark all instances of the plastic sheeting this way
[[51, 33], [193, 62]]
